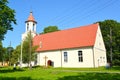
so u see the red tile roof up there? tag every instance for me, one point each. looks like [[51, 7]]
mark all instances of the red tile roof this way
[[65, 39], [31, 18]]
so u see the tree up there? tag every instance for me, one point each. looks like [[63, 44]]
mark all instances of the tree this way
[[15, 55], [7, 17], [9, 51], [113, 26], [1, 52], [28, 49], [25, 51], [4, 57], [50, 29]]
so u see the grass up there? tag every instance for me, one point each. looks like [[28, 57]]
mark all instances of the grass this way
[[100, 69], [40, 73]]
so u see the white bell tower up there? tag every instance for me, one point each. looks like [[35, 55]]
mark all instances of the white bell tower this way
[[30, 26]]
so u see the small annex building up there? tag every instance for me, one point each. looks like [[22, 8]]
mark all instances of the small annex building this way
[[80, 47]]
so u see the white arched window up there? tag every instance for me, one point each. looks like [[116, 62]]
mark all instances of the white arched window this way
[[33, 27], [27, 26]]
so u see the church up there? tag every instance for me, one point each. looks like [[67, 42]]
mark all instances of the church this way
[[79, 47]]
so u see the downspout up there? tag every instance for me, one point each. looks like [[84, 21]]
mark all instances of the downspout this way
[[93, 57]]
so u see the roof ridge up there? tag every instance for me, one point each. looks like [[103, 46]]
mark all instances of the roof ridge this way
[[70, 29]]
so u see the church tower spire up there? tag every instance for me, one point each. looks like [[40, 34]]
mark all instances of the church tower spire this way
[[30, 24]]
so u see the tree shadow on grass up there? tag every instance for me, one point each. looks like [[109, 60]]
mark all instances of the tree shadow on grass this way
[[10, 70], [13, 78], [116, 68], [92, 76]]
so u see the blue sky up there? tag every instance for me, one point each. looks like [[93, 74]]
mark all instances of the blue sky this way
[[62, 13]]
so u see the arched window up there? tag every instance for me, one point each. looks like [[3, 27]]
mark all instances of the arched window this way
[[33, 27], [27, 26]]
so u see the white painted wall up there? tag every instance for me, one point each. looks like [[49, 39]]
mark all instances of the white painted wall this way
[[58, 58], [24, 35], [54, 56], [31, 27], [73, 58], [99, 50]]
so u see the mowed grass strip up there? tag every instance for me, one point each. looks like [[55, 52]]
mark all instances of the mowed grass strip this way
[[41, 73]]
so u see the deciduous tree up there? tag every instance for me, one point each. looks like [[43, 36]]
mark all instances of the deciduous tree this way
[[16, 55], [115, 38], [50, 29], [7, 18], [28, 49]]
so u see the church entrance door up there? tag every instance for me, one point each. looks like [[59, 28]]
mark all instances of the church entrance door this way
[[49, 63]]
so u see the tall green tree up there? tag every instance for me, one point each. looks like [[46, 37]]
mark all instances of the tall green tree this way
[[16, 55], [28, 49], [26, 56], [4, 56], [50, 29], [7, 17], [1, 52], [9, 52], [113, 40]]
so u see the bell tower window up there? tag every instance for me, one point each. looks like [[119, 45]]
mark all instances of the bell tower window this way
[[33, 26], [27, 26]]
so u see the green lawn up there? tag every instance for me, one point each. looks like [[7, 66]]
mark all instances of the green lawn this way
[[40, 73]]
